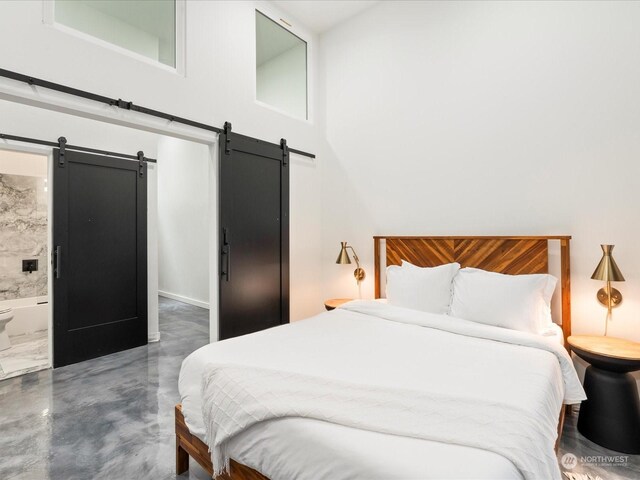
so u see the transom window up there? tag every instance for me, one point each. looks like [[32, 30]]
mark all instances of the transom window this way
[[281, 68], [146, 27]]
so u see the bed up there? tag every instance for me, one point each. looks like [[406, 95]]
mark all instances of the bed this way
[[383, 346]]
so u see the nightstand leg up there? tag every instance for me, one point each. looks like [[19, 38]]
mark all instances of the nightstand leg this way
[[610, 416]]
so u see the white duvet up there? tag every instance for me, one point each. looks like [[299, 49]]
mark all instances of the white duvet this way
[[393, 349]]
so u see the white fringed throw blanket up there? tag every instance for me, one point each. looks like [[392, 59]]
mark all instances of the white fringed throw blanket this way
[[235, 397]]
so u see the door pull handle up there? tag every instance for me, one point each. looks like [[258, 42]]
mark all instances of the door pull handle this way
[[226, 251], [57, 255]]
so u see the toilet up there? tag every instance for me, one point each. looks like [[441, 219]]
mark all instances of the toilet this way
[[6, 315]]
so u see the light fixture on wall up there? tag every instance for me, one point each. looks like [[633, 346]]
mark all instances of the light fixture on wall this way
[[608, 271], [343, 259]]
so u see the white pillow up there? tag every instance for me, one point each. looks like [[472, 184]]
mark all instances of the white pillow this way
[[424, 289], [519, 302], [546, 320]]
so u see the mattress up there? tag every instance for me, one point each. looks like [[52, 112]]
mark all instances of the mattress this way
[[355, 347]]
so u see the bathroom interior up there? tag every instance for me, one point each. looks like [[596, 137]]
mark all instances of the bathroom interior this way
[[25, 337]]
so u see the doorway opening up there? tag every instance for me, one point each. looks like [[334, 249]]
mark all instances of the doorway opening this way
[[24, 253], [183, 221], [39, 123]]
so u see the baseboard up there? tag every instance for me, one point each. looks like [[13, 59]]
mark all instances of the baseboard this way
[[153, 337], [181, 298]]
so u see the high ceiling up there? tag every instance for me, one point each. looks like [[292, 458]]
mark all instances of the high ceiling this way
[[321, 15]]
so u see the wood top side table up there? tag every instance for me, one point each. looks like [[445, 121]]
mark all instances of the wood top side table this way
[[334, 303], [610, 416]]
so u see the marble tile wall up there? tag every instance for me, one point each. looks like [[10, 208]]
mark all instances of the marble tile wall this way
[[23, 235]]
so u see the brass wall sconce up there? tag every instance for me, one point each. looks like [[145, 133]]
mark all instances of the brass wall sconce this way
[[608, 271], [343, 259]]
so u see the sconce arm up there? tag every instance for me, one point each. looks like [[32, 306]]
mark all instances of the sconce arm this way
[[355, 256]]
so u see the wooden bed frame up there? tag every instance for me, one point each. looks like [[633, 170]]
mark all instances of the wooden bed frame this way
[[188, 445], [510, 255]]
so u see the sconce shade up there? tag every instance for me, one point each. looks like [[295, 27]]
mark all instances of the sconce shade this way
[[343, 257], [607, 270]]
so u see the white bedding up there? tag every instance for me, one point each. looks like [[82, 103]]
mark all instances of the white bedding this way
[[350, 346]]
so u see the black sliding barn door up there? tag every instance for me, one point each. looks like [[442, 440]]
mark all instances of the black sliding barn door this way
[[254, 235], [100, 256]]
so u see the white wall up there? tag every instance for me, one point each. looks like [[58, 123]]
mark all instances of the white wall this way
[[13, 162], [219, 85], [487, 118], [183, 213]]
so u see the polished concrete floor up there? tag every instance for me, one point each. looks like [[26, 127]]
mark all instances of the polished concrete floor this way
[[108, 418], [112, 417], [593, 462]]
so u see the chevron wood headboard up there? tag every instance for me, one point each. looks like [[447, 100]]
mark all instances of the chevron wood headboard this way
[[510, 255]]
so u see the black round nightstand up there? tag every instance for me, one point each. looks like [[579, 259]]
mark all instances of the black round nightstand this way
[[610, 416]]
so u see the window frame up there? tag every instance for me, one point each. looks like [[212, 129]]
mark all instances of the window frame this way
[[48, 18], [304, 35]]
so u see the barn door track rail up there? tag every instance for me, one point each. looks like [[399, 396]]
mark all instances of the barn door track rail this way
[[118, 103], [63, 146]]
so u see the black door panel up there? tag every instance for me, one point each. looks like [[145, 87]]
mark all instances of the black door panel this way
[[254, 236], [100, 232]]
